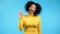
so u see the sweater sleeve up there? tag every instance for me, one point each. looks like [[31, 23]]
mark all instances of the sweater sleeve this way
[[20, 24], [39, 26]]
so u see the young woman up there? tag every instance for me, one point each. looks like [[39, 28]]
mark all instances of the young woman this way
[[31, 22]]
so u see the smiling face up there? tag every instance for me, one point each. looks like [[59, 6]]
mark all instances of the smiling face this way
[[32, 8]]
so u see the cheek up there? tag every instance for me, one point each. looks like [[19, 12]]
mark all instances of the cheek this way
[[34, 9]]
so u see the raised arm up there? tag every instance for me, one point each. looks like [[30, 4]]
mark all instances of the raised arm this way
[[20, 24]]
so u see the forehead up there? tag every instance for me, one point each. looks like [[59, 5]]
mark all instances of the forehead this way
[[33, 5]]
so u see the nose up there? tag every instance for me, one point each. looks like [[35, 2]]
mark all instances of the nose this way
[[31, 7]]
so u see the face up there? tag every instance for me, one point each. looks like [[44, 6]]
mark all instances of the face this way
[[32, 8]]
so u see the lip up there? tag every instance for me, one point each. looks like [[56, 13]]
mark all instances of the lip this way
[[31, 10]]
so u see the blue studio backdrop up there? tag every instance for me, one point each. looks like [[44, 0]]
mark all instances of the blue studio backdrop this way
[[49, 16]]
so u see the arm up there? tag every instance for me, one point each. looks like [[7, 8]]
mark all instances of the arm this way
[[20, 25], [39, 26]]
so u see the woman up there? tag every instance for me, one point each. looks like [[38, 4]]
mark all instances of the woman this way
[[31, 22]]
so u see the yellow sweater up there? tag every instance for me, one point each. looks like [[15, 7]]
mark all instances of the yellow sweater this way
[[31, 24]]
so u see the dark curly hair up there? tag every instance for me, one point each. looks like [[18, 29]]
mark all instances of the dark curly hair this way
[[38, 7]]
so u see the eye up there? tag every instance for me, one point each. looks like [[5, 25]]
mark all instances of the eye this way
[[34, 8]]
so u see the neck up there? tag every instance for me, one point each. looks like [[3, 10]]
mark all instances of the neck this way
[[30, 14]]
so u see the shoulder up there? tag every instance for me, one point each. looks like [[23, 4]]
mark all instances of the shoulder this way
[[24, 16], [38, 16]]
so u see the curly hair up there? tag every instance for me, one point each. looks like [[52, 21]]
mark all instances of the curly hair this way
[[38, 7]]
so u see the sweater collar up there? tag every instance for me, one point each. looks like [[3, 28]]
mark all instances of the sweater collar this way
[[30, 14]]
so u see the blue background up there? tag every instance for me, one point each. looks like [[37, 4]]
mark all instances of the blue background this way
[[49, 16]]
